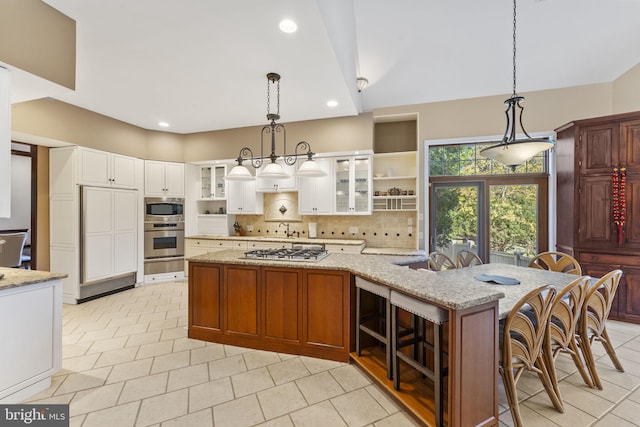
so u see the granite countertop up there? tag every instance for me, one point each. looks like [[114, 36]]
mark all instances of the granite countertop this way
[[345, 242], [444, 290], [16, 277], [393, 251]]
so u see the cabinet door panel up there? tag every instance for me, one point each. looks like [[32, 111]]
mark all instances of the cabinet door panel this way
[[94, 167], [595, 225], [629, 292], [599, 148], [242, 311], [123, 171], [630, 139], [282, 303], [205, 296], [326, 297], [632, 225]]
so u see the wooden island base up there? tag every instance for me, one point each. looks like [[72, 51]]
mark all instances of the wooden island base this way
[[415, 394]]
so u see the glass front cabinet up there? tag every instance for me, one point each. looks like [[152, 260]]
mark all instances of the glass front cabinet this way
[[353, 185], [212, 182]]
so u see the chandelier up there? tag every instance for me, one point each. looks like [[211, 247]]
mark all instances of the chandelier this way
[[274, 169], [512, 151]]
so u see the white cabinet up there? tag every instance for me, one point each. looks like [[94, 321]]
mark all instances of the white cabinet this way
[[101, 168], [216, 224], [31, 316], [352, 185], [242, 198], [109, 239], [163, 179], [268, 185], [195, 247], [212, 183], [315, 195]]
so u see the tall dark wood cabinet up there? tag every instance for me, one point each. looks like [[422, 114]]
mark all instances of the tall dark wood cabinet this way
[[587, 151]]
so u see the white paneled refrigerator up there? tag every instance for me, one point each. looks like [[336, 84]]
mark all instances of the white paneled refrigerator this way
[[108, 240]]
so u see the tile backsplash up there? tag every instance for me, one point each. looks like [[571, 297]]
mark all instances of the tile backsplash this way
[[381, 229]]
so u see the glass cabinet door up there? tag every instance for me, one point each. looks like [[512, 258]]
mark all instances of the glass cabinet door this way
[[353, 185], [343, 190], [362, 184], [205, 182], [218, 181]]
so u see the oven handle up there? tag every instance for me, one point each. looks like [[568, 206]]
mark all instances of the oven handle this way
[[168, 258]]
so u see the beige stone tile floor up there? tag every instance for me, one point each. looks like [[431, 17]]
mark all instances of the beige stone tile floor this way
[[127, 361]]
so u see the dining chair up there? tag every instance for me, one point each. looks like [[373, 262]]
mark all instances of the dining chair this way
[[592, 327], [521, 342], [556, 261], [466, 258], [563, 321], [439, 261], [11, 249]]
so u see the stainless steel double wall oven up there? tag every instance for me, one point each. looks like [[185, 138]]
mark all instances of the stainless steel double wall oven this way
[[163, 235]]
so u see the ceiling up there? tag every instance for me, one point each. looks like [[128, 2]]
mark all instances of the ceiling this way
[[201, 64]]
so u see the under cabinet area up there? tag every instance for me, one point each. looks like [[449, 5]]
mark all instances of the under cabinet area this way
[[291, 310]]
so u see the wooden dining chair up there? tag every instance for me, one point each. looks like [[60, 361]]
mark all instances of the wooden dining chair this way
[[592, 327], [556, 261], [439, 261], [522, 336], [563, 321], [466, 258]]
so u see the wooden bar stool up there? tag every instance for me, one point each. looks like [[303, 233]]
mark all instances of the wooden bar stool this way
[[382, 316], [415, 336]]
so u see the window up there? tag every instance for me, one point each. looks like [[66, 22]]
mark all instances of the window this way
[[483, 206]]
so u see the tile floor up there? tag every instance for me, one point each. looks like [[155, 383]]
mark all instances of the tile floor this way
[[127, 361]]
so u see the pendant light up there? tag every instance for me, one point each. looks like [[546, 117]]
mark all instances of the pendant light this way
[[512, 151], [274, 169]]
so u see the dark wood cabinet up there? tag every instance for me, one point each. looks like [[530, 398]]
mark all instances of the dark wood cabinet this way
[[291, 310], [587, 153]]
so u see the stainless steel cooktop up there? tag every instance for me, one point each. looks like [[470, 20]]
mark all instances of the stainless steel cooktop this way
[[308, 253]]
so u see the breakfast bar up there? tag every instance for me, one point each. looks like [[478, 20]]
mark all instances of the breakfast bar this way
[[308, 308]]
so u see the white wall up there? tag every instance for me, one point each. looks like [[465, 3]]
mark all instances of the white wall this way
[[5, 144]]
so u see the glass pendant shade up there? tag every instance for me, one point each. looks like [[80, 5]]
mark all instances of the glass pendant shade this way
[[239, 173], [310, 169], [274, 171], [517, 152]]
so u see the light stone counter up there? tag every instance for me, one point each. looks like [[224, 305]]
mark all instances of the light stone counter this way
[[433, 287], [303, 240], [393, 251], [16, 277]]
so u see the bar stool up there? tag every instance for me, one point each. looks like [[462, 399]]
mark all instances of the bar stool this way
[[382, 315], [421, 311]]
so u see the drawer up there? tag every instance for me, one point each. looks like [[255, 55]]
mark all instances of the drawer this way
[[615, 261]]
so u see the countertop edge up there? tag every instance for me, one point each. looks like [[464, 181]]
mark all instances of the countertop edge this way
[[15, 277]]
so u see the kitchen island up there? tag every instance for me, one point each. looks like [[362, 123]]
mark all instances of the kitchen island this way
[[30, 332], [308, 308]]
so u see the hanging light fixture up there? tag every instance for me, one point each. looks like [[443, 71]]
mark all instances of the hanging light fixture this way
[[274, 170], [512, 151], [361, 83]]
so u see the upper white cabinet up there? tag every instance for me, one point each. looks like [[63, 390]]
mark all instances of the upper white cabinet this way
[[267, 185], [315, 195], [212, 183], [352, 185], [242, 198], [163, 179], [104, 169]]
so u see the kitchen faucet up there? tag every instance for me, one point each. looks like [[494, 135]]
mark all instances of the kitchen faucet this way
[[287, 225]]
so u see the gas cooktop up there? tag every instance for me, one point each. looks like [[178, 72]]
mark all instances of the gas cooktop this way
[[312, 253]]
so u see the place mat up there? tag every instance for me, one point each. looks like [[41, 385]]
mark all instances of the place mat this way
[[500, 280]]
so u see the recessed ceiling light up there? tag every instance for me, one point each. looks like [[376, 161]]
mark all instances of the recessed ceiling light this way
[[332, 103], [163, 124], [288, 26]]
